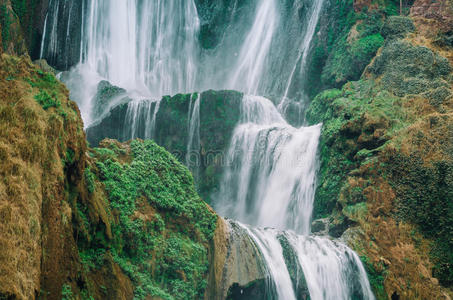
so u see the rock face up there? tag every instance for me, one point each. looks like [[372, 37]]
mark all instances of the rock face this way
[[64, 32], [219, 114], [106, 97], [236, 268], [386, 154], [21, 24]]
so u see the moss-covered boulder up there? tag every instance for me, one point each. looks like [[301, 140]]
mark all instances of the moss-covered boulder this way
[[397, 27], [408, 69], [107, 96]]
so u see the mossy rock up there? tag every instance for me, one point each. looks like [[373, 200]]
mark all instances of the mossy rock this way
[[106, 93], [397, 27], [408, 69]]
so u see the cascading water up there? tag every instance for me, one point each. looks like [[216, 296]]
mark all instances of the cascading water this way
[[269, 181], [137, 45], [253, 56], [141, 115], [301, 62], [269, 163], [152, 48], [142, 47]]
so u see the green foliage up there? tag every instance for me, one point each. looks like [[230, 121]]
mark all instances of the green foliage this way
[[90, 180], [347, 44], [164, 255], [48, 87], [351, 55], [47, 101], [66, 292], [375, 278], [343, 113]]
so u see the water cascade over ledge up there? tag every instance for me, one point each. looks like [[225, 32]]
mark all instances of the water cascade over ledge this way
[[152, 48]]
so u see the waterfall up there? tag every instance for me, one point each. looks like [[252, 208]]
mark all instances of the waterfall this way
[[152, 48], [142, 45], [278, 161], [333, 271], [140, 119], [193, 144], [254, 53], [305, 45], [272, 253], [269, 182]]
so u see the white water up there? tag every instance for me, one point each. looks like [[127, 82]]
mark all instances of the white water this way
[[141, 115], [270, 176], [305, 45], [147, 46], [253, 56], [272, 252], [333, 271], [152, 48]]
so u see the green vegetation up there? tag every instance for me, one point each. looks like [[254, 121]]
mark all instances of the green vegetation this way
[[425, 194], [163, 228], [356, 111], [347, 43], [66, 292], [376, 278], [47, 101], [354, 50]]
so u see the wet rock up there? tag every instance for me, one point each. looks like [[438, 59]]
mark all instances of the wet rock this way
[[253, 290], [295, 270], [107, 96], [236, 267], [219, 114], [42, 63], [320, 226]]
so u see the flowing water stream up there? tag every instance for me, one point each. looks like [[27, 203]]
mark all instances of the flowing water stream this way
[[152, 48]]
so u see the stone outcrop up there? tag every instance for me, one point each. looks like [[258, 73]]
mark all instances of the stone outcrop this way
[[386, 164], [219, 114]]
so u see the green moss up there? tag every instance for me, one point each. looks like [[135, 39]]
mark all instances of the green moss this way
[[90, 180], [342, 51], [355, 111], [424, 198]]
